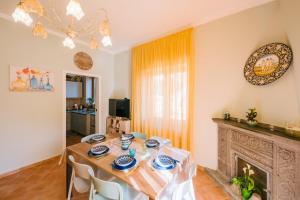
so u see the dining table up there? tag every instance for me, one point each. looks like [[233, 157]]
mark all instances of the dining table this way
[[143, 177]]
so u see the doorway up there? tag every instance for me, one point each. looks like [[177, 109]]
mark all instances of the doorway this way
[[81, 103]]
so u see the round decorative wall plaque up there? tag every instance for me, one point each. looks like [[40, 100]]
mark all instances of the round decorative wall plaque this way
[[83, 60], [268, 63]]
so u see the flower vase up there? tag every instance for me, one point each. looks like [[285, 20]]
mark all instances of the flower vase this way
[[246, 194], [252, 122]]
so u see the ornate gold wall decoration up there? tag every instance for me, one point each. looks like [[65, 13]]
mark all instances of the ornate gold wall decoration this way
[[268, 63]]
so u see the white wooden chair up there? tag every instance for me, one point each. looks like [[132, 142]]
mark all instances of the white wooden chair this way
[[185, 190], [87, 138], [139, 135], [107, 190], [80, 177]]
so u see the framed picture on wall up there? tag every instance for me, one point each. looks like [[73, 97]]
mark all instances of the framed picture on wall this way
[[26, 79]]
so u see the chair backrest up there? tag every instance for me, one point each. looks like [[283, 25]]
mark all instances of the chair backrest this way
[[106, 189], [81, 170], [87, 138], [139, 135], [193, 171]]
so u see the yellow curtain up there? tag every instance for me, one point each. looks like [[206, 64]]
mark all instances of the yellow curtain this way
[[162, 88]]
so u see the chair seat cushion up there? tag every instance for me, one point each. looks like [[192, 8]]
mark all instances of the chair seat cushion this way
[[81, 185]]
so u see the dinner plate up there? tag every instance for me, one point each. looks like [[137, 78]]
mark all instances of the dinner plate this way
[[98, 138], [156, 166], [131, 165], [151, 143], [99, 149], [164, 161], [123, 161]]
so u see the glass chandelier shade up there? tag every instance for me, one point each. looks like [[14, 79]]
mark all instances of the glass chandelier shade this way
[[39, 30], [20, 15], [68, 42], [94, 43], [74, 9], [106, 41]]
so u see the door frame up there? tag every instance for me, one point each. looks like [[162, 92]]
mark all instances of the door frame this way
[[97, 101]]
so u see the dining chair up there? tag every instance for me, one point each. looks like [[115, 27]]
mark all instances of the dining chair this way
[[80, 177], [185, 190], [111, 190], [139, 135], [87, 138]]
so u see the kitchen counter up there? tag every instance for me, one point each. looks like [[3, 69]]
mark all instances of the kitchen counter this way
[[83, 112]]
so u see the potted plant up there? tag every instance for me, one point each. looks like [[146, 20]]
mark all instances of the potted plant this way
[[245, 183], [251, 117]]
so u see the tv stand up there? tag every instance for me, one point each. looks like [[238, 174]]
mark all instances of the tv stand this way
[[117, 125]]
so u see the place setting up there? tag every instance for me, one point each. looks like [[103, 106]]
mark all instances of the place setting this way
[[125, 162], [98, 151], [163, 162], [96, 139], [152, 143]]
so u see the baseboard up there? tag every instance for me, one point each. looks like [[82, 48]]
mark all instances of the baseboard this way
[[3, 175]]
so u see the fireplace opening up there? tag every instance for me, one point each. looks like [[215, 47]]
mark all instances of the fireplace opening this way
[[260, 177]]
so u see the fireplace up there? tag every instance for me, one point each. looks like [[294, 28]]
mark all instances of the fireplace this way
[[261, 177], [274, 157]]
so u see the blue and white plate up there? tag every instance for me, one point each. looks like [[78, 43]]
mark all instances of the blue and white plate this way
[[151, 143], [131, 165], [99, 149], [129, 136], [123, 161], [157, 166], [164, 161], [98, 138]]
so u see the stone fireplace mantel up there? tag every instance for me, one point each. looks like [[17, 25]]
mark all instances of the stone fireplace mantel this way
[[272, 151]]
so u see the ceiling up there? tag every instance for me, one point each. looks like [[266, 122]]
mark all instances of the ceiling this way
[[137, 21]]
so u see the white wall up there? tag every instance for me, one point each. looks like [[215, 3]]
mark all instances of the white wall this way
[[222, 48], [122, 67], [31, 122], [290, 18]]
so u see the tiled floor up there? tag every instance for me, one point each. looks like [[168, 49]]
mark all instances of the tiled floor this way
[[47, 182]]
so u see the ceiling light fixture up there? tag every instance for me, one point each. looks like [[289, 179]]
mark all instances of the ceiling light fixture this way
[[87, 28]]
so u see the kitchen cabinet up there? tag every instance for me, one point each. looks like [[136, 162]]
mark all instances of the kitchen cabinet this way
[[83, 123], [74, 89], [68, 121]]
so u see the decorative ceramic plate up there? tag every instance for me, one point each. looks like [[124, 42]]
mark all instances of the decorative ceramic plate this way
[[100, 149], [98, 138], [151, 143], [156, 166], [268, 63], [131, 165], [164, 161], [123, 161], [83, 60]]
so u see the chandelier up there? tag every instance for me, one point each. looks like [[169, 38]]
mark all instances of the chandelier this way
[[28, 10]]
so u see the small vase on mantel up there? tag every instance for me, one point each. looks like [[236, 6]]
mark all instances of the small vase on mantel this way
[[252, 122]]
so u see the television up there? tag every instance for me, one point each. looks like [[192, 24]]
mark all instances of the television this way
[[119, 108]]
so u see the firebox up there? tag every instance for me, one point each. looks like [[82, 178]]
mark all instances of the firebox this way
[[261, 177]]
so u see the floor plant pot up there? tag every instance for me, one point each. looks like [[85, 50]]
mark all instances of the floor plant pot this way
[[246, 194]]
